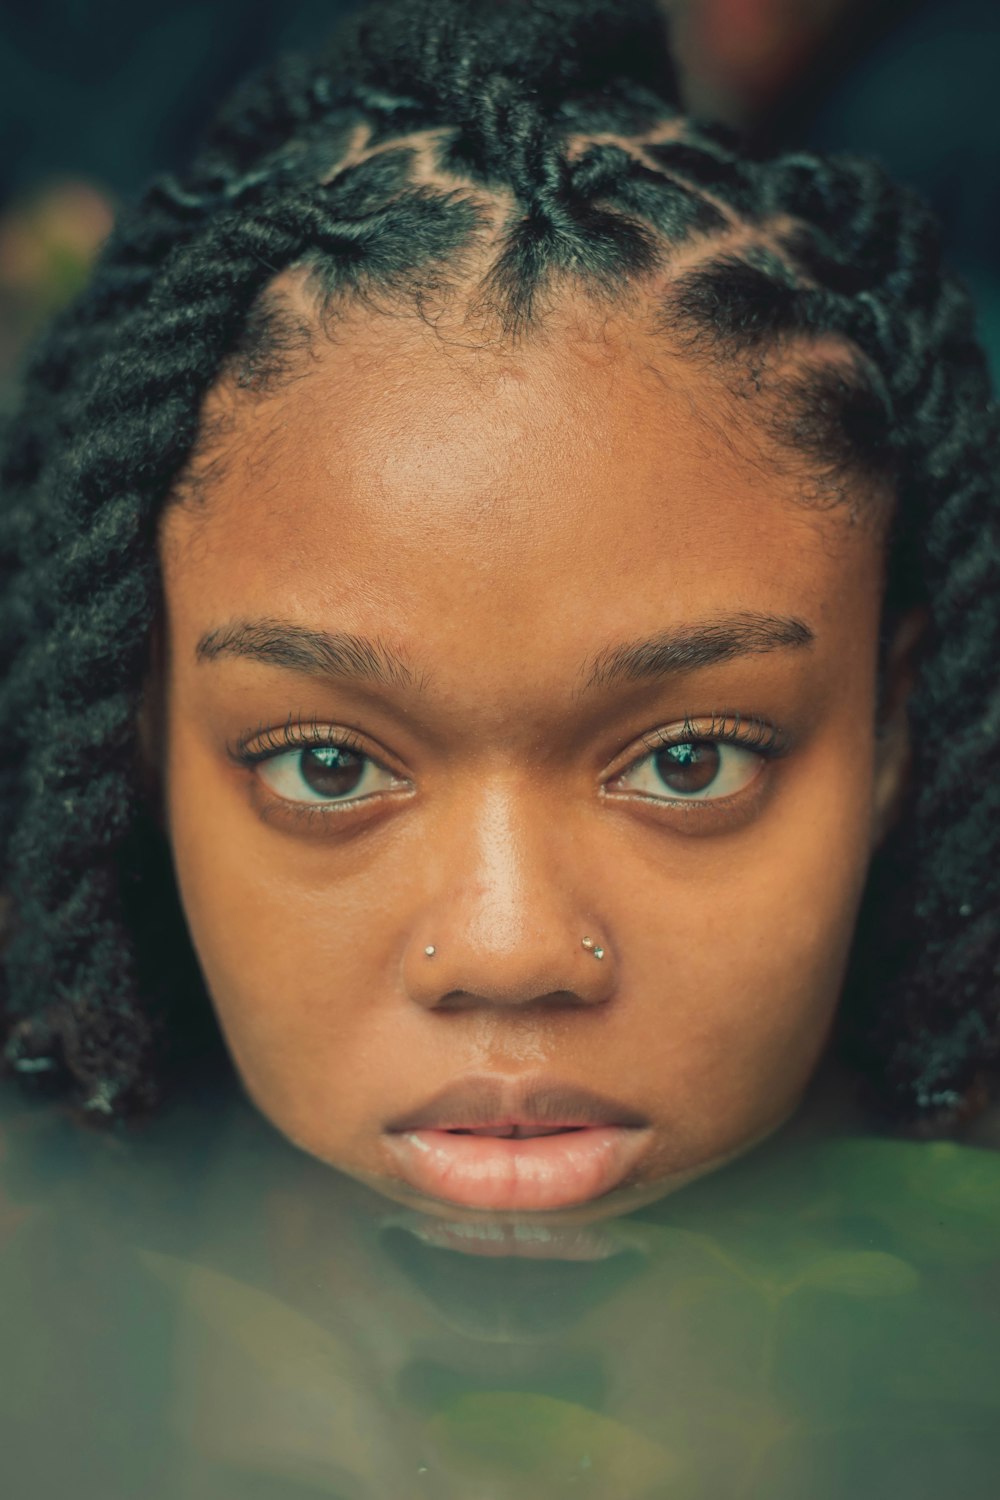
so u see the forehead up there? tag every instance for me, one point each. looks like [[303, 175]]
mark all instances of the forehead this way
[[406, 477]]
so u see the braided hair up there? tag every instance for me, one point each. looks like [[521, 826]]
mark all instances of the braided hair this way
[[509, 147]]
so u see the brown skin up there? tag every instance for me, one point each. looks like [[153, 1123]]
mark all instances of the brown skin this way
[[498, 516]]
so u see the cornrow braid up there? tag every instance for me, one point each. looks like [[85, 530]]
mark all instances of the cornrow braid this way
[[547, 138]]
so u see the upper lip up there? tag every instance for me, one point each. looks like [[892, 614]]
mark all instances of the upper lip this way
[[485, 1100]]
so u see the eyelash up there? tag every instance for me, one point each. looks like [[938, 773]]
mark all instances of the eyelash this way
[[293, 735], [747, 732], [766, 739]]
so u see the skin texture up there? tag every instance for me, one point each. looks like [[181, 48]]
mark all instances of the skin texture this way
[[497, 517]]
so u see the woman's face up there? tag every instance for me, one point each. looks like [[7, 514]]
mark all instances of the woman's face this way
[[506, 576]]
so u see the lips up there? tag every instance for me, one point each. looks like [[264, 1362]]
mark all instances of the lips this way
[[484, 1142]]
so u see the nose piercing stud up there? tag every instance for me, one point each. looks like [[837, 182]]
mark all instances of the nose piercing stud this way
[[588, 943]]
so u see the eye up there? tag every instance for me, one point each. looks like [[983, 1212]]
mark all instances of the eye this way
[[701, 768], [324, 773]]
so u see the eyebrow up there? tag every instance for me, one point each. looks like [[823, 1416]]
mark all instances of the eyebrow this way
[[316, 653], [687, 648], [673, 652]]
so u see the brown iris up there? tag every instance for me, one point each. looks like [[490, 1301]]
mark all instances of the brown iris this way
[[690, 767], [331, 770]]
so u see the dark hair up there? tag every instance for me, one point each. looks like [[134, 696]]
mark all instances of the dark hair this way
[[548, 133]]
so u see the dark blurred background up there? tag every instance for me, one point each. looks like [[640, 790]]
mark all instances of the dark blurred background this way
[[96, 97]]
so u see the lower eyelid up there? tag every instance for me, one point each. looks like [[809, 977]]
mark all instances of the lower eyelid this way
[[699, 815], [280, 811]]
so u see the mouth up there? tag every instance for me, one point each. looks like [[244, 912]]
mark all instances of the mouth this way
[[517, 1147]]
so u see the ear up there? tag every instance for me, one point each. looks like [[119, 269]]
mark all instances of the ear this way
[[893, 754]]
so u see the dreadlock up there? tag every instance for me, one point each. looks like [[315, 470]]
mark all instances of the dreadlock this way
[[550, 133]]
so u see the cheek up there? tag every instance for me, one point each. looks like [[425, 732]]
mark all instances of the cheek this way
[[296, 946], [752, 949]]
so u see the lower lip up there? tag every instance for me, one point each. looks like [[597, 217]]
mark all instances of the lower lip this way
[[517, 1174]]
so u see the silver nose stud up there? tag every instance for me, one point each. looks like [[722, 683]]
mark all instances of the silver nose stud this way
[[587, 942]]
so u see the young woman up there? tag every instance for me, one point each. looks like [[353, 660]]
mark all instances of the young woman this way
[[501, 612]]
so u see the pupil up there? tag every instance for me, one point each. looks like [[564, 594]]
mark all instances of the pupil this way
[[331, 770], [688, 767]]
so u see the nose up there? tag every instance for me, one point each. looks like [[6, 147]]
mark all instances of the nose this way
[[506, 905]]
